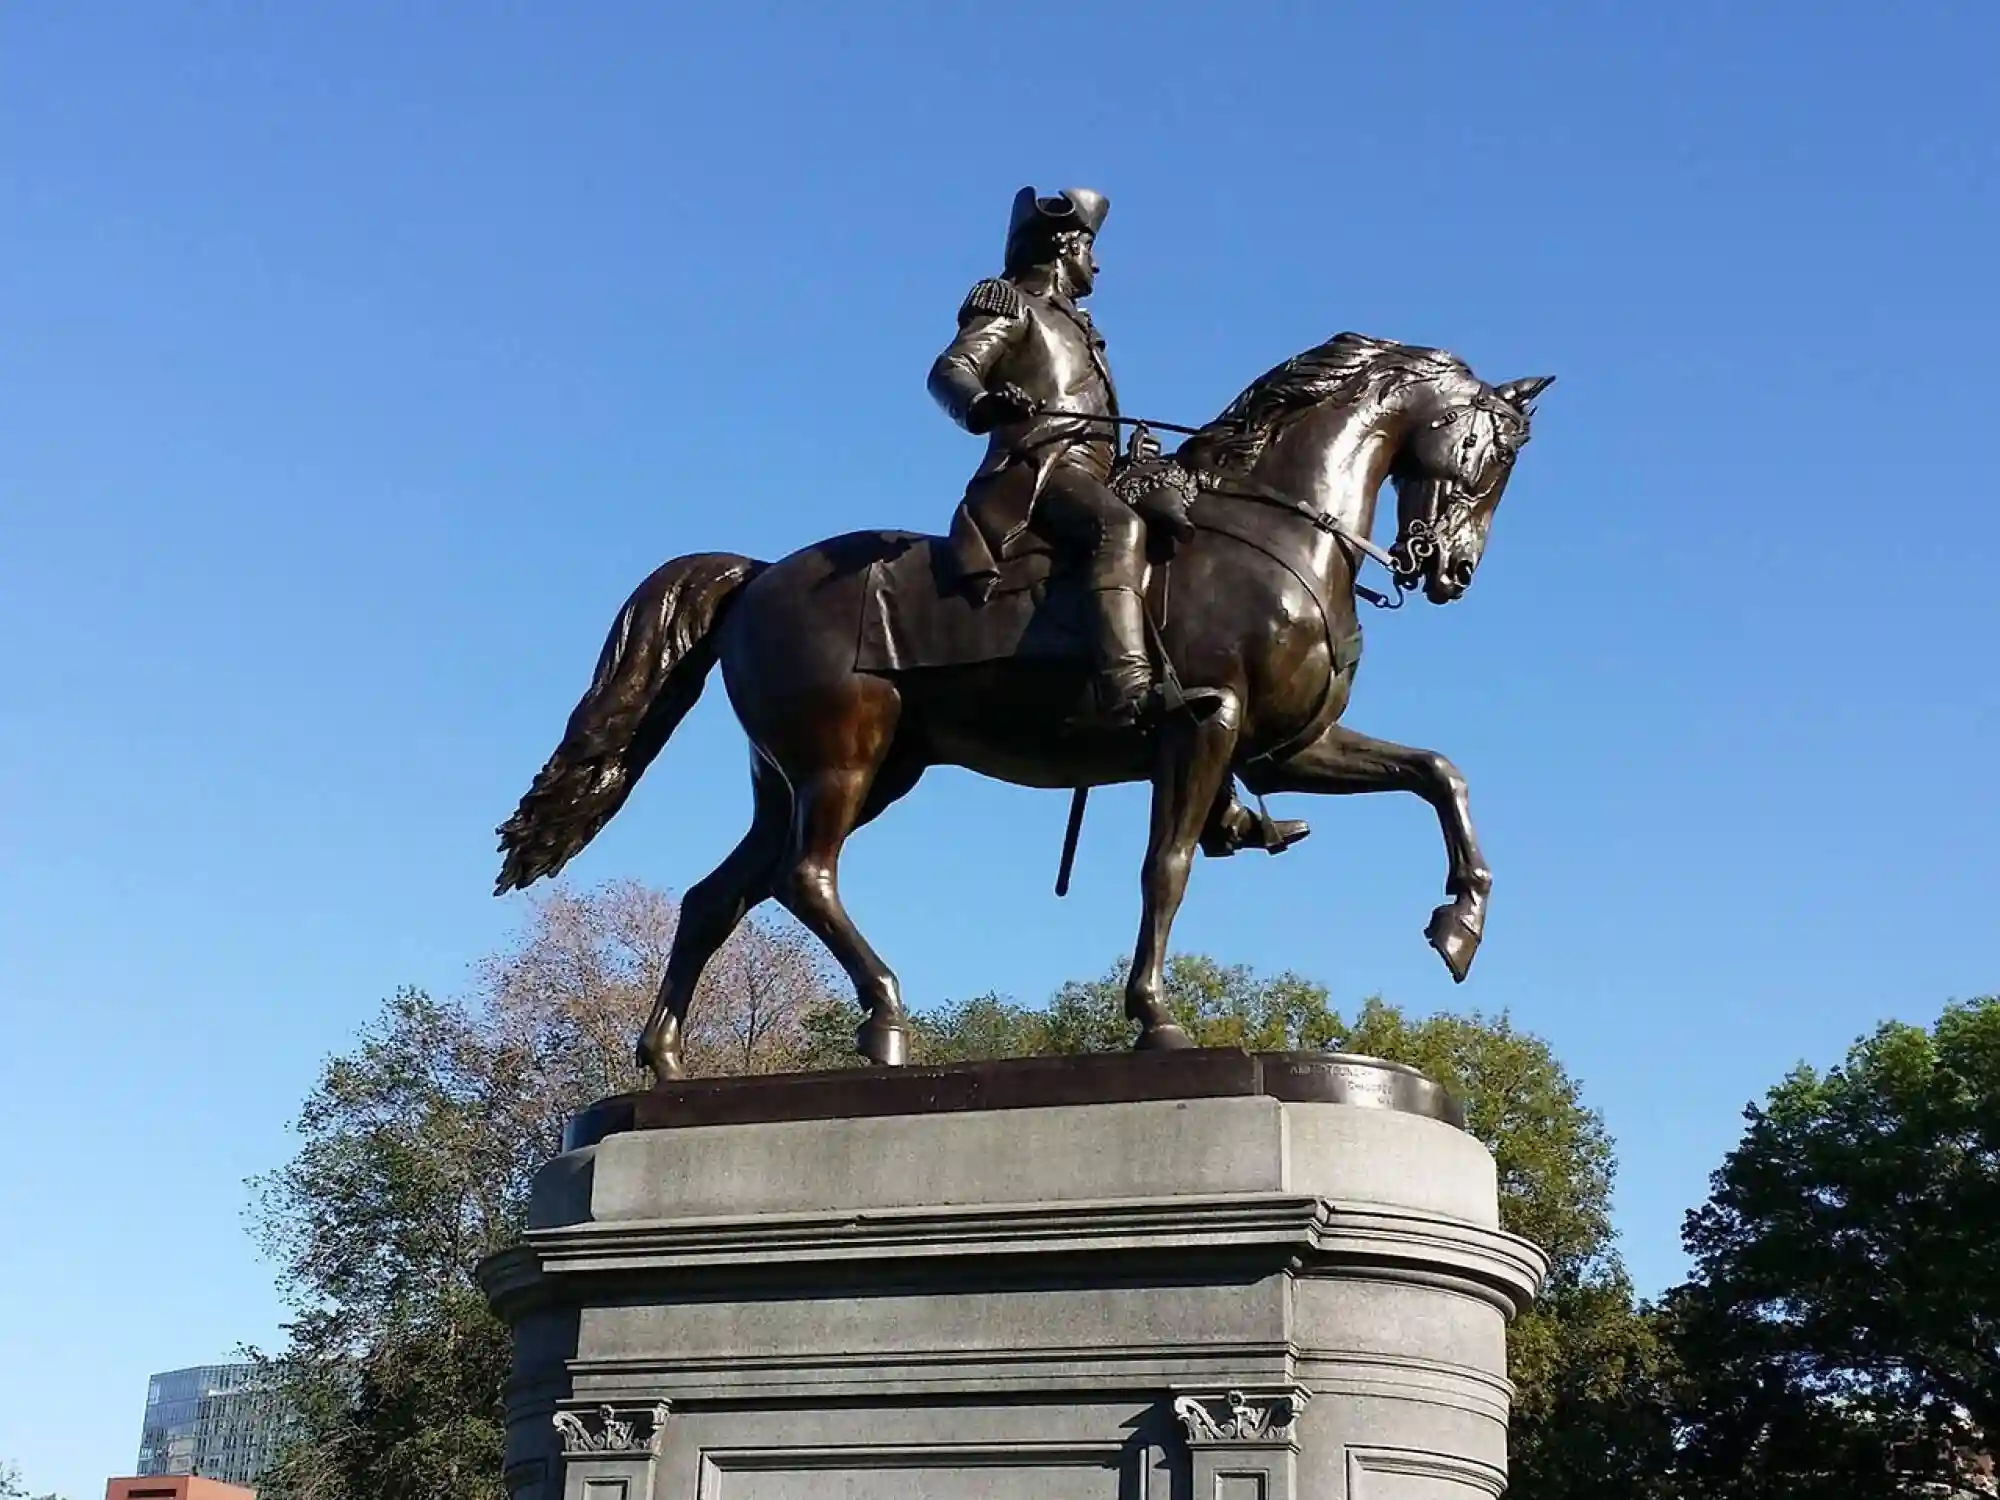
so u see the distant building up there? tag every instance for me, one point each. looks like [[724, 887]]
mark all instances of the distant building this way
[[216, 1421], [174, 1487]]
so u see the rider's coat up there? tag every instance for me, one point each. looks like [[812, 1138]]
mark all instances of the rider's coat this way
[[1021, 333]]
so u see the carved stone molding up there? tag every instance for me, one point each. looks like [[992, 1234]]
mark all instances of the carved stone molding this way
[[1237, 1417], [1461, 1474], [613, 1430]]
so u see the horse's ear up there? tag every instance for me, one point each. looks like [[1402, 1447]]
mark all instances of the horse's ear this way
[[1520, 393]]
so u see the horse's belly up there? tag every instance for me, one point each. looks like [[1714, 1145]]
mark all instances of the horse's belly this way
[[1009, 721]]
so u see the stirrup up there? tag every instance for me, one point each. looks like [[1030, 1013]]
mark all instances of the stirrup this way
[[1168, 697], [1258, 830], [1150, 707]]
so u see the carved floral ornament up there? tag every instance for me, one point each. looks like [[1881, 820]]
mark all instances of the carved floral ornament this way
[[1236, 1418], [609, 1429]]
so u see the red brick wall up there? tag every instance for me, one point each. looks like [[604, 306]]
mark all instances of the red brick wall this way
[[174, 1487]]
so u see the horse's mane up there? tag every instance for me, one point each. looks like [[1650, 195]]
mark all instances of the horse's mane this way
[[1348, 366]]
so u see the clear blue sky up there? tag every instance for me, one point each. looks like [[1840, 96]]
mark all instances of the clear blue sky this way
[[355, 361]]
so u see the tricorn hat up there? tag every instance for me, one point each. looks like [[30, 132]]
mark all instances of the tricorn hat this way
[[1072, 208]]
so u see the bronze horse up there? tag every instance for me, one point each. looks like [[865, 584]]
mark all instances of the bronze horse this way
[[1261, 609]]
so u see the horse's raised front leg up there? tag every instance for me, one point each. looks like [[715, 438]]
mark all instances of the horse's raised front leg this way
[[1341, 762], [1192, 766]]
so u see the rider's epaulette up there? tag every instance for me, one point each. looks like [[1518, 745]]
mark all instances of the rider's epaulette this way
[[994, 297]]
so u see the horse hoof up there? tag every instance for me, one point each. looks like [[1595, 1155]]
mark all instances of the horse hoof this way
[[885, 1041], [1456, 939], [1166, 1038], [666, 1066]]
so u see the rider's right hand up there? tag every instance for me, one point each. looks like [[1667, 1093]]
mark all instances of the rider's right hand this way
[[997, 407]]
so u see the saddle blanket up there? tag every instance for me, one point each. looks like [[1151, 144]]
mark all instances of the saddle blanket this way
[[912, 617]]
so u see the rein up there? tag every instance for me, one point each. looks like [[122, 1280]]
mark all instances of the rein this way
[[1084, 416], [1319, 520], [1400, 577]]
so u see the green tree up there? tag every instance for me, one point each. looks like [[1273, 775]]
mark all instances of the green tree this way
[[1220, 1005], [411, 1169], [1590, 1414], [983, 1027], [1841, 1330], [417, 1151]]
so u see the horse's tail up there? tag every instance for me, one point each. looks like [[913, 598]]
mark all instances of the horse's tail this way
[[648, 676]]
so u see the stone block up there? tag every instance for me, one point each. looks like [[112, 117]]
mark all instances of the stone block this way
[[1238, 1297]]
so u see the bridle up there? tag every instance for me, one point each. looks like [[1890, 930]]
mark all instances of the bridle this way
[[1419, 543]]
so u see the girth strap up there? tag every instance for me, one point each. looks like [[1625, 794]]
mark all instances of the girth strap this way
[[1345, 650]]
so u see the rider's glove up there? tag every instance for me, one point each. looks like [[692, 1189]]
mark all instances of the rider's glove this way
[[1166, 507], [999, 406]]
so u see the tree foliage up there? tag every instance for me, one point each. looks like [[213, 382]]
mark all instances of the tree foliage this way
[[417, 1150], [1220, 1005], [1841, 1330], [1587, 1366], [12, 1488], [573, 992], [413, 1166]]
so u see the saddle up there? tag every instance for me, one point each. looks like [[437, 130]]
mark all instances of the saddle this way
[[915, 613]]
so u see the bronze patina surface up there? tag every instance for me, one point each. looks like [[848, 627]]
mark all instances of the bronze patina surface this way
[[1019, 1083], [1213, 594]]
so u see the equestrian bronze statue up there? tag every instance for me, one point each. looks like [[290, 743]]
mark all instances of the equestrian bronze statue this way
[[1185, 619]]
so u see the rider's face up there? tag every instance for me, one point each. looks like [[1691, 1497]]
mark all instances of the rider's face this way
[[1076, 252]]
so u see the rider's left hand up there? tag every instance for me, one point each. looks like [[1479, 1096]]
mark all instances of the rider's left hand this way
[[1167, 508]]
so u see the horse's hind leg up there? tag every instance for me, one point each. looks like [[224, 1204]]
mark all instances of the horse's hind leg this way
[[713, 909], [828, 805], [843, 769], [1341, 762]]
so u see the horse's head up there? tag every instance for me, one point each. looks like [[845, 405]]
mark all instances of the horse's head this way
[[1450, 473], [1327, 426]]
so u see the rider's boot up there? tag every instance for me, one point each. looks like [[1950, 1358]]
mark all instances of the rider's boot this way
[[1122, 692], [1235, 827]]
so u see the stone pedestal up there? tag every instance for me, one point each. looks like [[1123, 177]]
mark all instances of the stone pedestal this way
[[1246, 1279]]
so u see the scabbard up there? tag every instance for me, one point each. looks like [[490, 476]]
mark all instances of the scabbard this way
[[1077, 799]]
